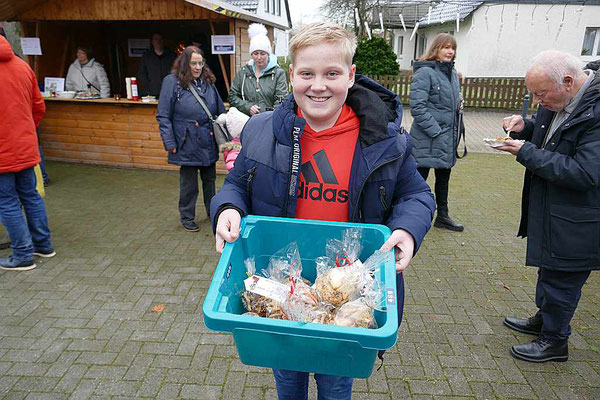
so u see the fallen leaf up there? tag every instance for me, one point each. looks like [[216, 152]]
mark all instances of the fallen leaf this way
[[438, 280], [506, 286], [158, 308]]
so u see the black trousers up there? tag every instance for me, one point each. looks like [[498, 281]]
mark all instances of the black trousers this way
[[556, 295], [442, 178], [188, 189]]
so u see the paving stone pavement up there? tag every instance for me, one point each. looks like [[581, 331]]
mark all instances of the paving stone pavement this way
[[479, 124], [81, 325]]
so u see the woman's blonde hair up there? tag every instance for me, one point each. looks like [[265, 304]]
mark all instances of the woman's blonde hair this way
[[438, 43], [323, 32]]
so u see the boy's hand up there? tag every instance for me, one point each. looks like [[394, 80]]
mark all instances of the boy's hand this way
[[404, 247], [228, 228], [254, 110]]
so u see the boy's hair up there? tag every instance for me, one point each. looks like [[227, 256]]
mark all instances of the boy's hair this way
[[438, 43], [323, 32]]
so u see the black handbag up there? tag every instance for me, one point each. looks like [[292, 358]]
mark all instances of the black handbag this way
[[220, 132]]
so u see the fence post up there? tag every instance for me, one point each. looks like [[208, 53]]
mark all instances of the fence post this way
[[525, 105]]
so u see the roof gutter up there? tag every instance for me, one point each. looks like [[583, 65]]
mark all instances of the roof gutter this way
[[227, 9]]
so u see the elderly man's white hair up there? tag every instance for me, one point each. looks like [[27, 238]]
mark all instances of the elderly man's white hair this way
[[556, 65]]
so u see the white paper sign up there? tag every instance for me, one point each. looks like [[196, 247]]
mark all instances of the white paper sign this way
[[54, 84], [137, 47], [281, 43], [222, 44], [31, 46]]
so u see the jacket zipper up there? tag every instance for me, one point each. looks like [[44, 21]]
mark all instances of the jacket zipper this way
[[365, 181], [382, 197], [251, 175]]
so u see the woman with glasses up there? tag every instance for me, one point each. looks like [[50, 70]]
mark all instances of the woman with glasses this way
[[186, 129], [86, 75]]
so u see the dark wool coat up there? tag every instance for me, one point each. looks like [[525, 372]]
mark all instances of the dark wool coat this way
[[184, 124], [434, 99], [384, 186], [561, 191]]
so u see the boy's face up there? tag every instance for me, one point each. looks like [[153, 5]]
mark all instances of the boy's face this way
[[320, 78]]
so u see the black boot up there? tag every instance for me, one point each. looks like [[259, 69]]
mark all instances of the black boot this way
[[443, 220], [531, 325], [542, 350]]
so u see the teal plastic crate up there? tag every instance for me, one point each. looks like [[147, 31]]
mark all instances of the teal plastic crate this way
[[294, 345]]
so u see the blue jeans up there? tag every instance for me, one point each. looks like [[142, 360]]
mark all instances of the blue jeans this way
[[293, 385], [18, 189]]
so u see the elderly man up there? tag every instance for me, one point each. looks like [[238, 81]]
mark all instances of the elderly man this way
[[561, 196]]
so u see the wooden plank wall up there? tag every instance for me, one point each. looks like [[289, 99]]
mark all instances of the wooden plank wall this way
[[504, 93], [114, 135], [115, 10]]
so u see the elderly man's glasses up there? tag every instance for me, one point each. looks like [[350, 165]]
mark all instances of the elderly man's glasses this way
[[197, 63]]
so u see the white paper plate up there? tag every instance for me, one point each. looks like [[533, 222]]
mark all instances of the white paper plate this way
[[495, 142]]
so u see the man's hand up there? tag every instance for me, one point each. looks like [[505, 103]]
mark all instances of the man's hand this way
[[404, 247], [228, 228], [514, 123], [511, 146], [173, 150], [254, 110]]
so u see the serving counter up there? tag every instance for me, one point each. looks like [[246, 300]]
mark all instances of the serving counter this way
[[119, 133]]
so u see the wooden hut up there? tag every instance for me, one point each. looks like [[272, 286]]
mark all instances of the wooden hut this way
[[121, 132]]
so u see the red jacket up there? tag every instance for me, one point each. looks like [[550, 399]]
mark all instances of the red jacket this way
[[21, 110]]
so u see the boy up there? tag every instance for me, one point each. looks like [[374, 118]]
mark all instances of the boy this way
[[334, 150]]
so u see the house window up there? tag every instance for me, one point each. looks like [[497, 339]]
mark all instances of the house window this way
[[278, 7], [422, 45], [400, 45], [591, 42], [267, 5]]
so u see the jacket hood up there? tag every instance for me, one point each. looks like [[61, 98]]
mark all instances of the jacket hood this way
[[592, 93], [378, 109], [6, 52], [271, 65], [445, 66], [422, 64], [90, 63]]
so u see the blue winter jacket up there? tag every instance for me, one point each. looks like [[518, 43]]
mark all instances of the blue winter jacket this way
[[434, 99], [184, 124], [384, 186]]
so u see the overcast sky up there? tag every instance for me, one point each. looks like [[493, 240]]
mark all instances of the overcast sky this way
[[304, 11]]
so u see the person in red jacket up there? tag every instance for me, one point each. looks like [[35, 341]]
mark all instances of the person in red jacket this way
[[22, 110]]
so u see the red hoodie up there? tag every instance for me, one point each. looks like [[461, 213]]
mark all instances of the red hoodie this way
[[21, 110]]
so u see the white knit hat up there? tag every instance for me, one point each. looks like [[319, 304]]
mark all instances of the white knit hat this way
[[258, 38]]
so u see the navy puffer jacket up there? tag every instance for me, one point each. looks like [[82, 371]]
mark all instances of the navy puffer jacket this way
[[434, 98], [184, 125], [384, 186]]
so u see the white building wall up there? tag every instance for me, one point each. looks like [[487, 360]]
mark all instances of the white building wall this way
[[278, 19], [489, 52], [405, 59]]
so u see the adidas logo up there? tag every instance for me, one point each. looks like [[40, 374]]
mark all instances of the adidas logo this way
[[314, 189]]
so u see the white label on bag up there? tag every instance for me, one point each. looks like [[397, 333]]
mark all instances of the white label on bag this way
[[267, 287]]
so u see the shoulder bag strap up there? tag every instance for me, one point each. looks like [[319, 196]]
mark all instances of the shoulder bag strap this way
[[202, 103], [461, 134], [86, 79]]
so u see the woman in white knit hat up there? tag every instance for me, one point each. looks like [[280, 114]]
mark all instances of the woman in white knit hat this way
[[261, 84]]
